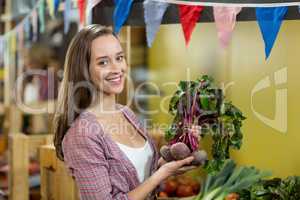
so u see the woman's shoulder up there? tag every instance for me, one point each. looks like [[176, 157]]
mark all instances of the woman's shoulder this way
[[84, 128], [128, 111]]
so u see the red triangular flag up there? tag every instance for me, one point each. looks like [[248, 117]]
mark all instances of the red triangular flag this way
[[81, 9], [189, 15]]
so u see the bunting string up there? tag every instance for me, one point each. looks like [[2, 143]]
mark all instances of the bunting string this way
[[189, 12]]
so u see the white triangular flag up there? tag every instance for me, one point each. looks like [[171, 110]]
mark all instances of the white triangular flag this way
[[89, 8], [154, 12], [34, 21]]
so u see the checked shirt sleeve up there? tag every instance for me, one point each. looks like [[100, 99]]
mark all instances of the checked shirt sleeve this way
[[85, 158]]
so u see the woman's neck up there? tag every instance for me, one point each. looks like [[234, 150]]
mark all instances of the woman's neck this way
[[103, 103]]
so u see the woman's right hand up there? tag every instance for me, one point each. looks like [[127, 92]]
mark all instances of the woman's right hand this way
[[176, 167]]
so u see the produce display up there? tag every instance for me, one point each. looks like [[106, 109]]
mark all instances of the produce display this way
[[179, 186], [225, 183], [273, 189], [201, 103]]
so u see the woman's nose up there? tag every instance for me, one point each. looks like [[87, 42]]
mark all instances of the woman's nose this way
[[115, 66]]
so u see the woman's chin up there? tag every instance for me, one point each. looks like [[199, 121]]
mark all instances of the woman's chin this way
[[115, 91]]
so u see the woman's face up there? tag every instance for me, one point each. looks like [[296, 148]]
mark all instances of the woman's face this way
[[108, 65]]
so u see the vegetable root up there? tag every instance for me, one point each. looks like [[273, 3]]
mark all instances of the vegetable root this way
[[180, 151]]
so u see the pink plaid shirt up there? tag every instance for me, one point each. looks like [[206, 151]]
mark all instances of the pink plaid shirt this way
[[100, 168]]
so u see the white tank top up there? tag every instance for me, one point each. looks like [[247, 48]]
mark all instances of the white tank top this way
[[141, 159]]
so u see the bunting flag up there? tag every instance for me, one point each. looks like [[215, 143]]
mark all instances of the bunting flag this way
[[34, 22], [20, 35], [12, 48], [27, 25], [50, 4], [20, 41], [13, 42], [189, 15], [41, 10], [67, 11], [6, 49], [1, 50], [121, 13], [225, 19], [269, 20], [81, 10], [56, 5], [154, 12], [89, 8]]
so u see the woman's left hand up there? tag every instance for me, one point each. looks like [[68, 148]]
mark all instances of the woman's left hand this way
[[161, 162]]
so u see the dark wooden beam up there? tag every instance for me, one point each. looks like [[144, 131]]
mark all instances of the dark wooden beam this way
[[243, 1], [103, 14]]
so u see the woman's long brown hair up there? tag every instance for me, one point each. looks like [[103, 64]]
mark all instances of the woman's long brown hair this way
[[76, 90]]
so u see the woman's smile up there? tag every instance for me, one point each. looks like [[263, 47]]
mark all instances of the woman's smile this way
[[115, 80]]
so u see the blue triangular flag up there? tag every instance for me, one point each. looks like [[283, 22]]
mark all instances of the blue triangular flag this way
[[154, 12], [121, 13], [269, 20], [27, 27], [56, 5], [67, 11]]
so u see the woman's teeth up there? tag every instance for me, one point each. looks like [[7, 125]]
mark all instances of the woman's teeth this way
[[116, 79]]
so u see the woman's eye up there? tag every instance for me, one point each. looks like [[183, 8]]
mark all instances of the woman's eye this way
[[103, 62], [120, 58]]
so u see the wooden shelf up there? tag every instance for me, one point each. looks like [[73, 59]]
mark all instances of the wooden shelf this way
[[55, 173], [42, 107], [1, 108]]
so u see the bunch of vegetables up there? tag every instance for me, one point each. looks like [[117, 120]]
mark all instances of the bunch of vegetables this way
[[231, 179], [201, 103], [273, 189], [179, 186]]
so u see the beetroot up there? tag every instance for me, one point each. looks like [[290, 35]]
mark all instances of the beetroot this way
[[200, 157], [166, 153], [187, 137], [180, 151]]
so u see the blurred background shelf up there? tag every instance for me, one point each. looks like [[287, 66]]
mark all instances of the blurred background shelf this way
[[1, 108], [39, 107]]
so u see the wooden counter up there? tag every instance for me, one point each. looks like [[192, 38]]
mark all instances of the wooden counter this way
[[56, 184]]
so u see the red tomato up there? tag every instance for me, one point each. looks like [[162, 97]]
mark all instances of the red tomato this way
[[184, 191], [232, 196], [162, 194], [170, 187], [196, 186]]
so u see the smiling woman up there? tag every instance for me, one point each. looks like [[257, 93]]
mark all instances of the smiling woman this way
[[104, 144], [108, 65]]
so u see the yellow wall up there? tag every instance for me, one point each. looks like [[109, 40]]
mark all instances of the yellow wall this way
[[169, 61], [276, 148]]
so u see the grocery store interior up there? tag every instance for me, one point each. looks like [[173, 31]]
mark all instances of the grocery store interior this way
[[247, 49]]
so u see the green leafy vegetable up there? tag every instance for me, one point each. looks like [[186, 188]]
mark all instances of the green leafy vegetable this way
[[228, 180], [201, 103], [273, 189]]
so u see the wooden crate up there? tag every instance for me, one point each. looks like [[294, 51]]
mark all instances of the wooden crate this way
[[21, 148], [56, 183]]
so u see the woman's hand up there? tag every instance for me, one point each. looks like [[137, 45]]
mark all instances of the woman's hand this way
[[161, 162], [175, 167]]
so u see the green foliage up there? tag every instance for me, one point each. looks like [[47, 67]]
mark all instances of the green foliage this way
[[228, 180], [201, 103], [273, 189]]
